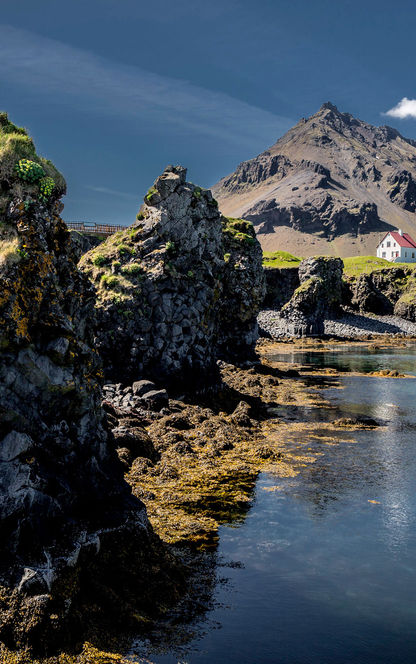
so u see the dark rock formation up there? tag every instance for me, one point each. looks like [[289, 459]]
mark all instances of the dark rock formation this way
[[281, 283], [330, 177], [403, 190], [405, 306], [319, 295], [243, 289], [378, 291], [178, 288], [82, 242], [69, 527]]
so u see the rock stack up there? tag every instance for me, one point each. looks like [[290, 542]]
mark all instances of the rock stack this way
[[67, 517], [319, 296], [178, 289]]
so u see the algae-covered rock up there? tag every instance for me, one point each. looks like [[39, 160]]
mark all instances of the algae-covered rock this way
[[175, 288], [405, 306], [319, 295], [378, 291], [243, 289], [69, 526]]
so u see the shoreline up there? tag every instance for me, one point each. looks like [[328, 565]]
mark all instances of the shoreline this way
[[211, 453], [349, 326]]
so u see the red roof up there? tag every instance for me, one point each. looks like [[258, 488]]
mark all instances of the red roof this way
[[404, 240]]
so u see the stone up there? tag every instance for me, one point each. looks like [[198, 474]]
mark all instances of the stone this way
[[319, 296], [62, 488], [191, 282], [140, 387], [156, 399]]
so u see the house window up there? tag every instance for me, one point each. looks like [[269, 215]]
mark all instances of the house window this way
[[383, 254], [395, 245], [382, 246], [405, 253], [388, 244], [413, 254]]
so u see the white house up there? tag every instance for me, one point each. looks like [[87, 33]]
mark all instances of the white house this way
[[397, 247]]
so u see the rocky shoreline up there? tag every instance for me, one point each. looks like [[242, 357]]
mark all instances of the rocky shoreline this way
[[136, 410], [349, 325]]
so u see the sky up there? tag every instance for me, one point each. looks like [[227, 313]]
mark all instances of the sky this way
[[114, 90]]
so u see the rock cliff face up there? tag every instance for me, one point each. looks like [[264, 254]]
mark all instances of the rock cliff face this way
[[387, 291], [180, 287], [319, 295], [281, 283], [64, 506], [331, 184]]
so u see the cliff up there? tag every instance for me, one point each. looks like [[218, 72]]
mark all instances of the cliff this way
[[70, 529]]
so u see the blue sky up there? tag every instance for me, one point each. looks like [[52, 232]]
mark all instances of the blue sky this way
[[113, 90]]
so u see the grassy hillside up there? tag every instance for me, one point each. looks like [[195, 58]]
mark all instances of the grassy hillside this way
[[357, 265], [280, 259], [353, 266]]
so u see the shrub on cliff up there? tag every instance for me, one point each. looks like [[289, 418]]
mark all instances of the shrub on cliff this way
[[180, 303], [69, 527]]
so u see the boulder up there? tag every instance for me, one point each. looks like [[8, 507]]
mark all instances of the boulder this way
[[319, 295]]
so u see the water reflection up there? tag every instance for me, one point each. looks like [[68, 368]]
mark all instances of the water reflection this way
[[329, 556]]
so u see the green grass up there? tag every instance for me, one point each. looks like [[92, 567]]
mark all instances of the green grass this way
[[357, 265], [15, 146], [280, 259]]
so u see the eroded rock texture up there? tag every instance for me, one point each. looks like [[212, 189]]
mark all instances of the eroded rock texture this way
[[319, 295], [178, 289], [331, 184], [68, 523]]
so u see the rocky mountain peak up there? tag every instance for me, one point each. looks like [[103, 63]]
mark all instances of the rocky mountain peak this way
[[331, 184]]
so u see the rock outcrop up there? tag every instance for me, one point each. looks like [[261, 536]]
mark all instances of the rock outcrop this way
[[281, 283], [332, 184], [405, 306], [319, 296], [178, 289], [68, 523]]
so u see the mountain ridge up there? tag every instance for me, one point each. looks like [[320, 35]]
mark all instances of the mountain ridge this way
[[332, 184]]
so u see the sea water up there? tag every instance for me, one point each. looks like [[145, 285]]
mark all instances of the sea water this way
[[324, 567]]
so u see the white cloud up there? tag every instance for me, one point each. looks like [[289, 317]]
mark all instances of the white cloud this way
[[63, 73], [406, 108]]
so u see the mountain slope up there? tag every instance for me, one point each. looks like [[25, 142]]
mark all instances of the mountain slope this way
[[332, 184]]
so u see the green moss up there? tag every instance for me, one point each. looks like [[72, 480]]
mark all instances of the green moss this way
[[152, 191], [132, 269], [16, 146], [170, 247], [280, 259], [124, 250], [139, 216], [238, 228], [109, 281], [306, 285], [99, 260]]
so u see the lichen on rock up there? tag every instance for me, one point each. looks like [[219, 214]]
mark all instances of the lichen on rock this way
[[318, 296], [69, 526], [176, 289]]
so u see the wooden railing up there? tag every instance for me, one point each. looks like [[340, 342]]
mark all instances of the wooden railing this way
[[91, 228]]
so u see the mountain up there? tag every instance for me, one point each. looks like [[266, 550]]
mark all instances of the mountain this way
[[331, 185]]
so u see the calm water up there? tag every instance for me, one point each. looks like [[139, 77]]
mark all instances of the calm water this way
[[327, 576]]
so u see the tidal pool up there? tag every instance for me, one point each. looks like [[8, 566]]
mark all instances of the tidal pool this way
[[328, 558]]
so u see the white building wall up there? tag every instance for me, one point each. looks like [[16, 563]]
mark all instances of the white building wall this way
[[391, 251]]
